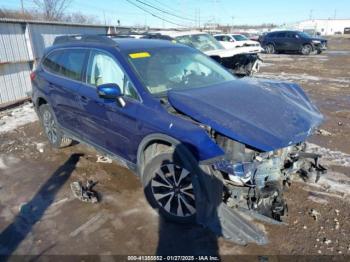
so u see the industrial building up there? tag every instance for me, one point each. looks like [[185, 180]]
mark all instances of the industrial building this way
[[22, 43], [325, 26]]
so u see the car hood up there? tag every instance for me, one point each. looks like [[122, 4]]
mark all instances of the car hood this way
[[319, 39], [264, 114], [249, 42]]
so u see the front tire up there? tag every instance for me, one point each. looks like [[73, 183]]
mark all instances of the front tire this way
[[168, 188], [306, 49], [51, 128]]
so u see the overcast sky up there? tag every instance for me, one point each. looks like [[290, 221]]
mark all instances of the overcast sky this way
[[187, 12]]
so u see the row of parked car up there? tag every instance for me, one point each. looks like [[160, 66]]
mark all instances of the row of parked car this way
[[277, 41], [237, 52]]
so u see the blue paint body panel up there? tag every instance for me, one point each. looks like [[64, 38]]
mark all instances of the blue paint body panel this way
[[262, 114]]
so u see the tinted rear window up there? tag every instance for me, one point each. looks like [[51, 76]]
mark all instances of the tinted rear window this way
[[68, 63], [51, 62], [281, 34]]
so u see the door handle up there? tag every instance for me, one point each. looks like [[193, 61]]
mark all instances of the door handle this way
[[84, 99]]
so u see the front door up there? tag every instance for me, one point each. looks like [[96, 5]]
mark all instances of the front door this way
[[105, 122]]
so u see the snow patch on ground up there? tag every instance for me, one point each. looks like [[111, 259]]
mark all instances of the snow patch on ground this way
[[330, 157], [19, 116], [6, 161], [331, 184], [301, 77]]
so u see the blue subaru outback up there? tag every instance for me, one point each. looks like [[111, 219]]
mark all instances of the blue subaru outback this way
[[197, 136]]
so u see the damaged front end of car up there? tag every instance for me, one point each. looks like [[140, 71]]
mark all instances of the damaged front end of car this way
[[261, 127], [244, 64], [256, 180]]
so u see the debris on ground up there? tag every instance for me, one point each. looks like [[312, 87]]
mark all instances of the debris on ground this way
[[327, 241], [85, 193], [323, 132], [315, 214], [40, 147], [104, 159], [336, 221]]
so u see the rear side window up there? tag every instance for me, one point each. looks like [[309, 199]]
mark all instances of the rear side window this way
[[51, 62], [219, 37], [281, 34], [67, 63]]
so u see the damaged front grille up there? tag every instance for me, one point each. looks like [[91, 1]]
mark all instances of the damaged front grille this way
[[256, 180]]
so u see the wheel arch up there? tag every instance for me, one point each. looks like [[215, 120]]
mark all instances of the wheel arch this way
[[40, 101], [156, 143], [308, 43]]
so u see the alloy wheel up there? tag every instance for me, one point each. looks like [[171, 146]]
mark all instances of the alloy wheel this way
[[173, 190], [306, 49], [50, 126]]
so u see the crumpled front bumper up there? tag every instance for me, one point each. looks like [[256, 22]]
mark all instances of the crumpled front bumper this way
[[232, 223]]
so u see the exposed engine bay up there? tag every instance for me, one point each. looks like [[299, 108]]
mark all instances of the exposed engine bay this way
[[256, 180]]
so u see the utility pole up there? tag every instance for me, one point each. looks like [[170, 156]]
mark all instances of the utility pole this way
[[335, 13], [232, 17], [22, 7], [199, 18], [310, 15]]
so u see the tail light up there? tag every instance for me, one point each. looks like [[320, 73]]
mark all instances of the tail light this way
[[32, 76]]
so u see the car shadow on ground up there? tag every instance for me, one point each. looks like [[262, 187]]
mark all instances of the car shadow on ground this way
[[30, 213], [184, 240], [193, 239]]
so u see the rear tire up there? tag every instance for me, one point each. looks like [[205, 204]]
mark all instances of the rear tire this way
[[51, 128], [168, 188], [270, 49], [306, 49]]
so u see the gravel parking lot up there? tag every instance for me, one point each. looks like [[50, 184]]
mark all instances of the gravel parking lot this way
[[39, 215]]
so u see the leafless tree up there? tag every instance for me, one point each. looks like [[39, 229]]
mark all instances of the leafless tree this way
[[52, 10], [80, 18]]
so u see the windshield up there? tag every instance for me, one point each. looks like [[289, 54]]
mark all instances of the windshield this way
[[240, 38], [202, 42], [164, 69]]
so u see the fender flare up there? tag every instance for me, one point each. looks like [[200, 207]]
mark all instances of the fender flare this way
[[162, 137]]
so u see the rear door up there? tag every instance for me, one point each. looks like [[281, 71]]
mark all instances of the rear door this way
[[105, 123], [280, 41], [64, 68]]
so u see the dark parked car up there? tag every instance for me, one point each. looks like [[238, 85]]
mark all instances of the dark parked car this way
[[194, 133], [292, 41]]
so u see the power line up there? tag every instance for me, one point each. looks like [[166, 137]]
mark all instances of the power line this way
[[166, 6], [164, 11], [147, 11]]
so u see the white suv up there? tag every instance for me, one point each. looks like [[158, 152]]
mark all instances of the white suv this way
[[237, 40]]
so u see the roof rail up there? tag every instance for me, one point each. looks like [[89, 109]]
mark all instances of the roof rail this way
[[64, 39], [144, 35]]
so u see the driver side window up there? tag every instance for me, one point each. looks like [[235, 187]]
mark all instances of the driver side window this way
[[103, 69]]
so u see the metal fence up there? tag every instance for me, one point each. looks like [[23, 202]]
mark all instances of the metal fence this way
[[22, 43]]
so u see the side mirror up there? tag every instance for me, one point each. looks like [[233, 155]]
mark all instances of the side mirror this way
[[111, 92]]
